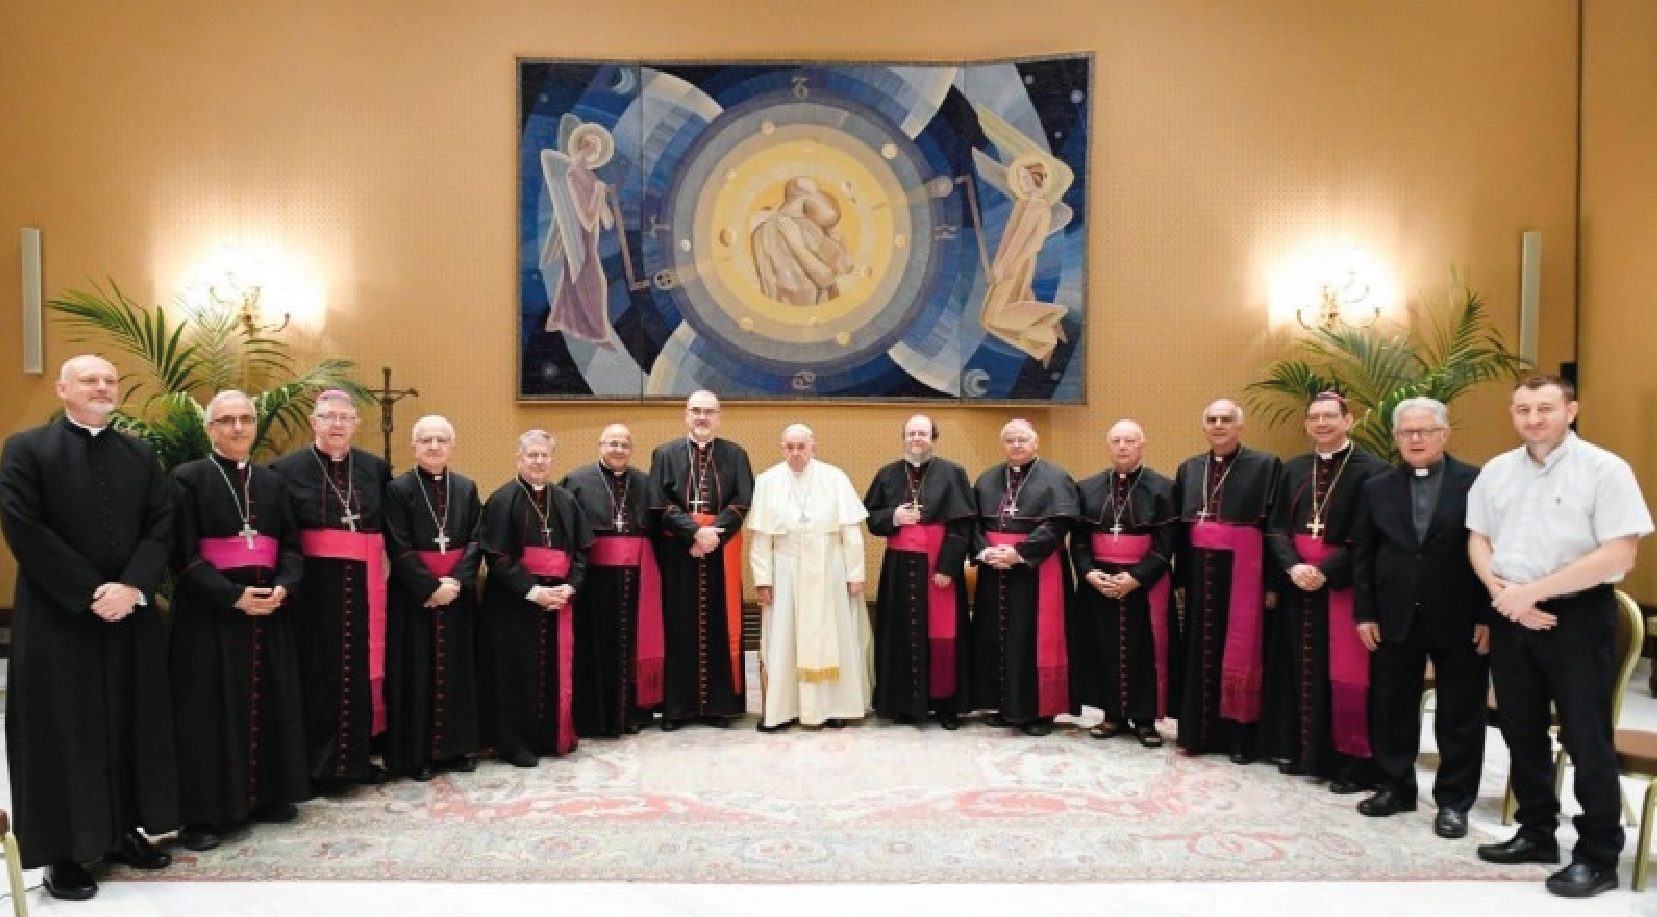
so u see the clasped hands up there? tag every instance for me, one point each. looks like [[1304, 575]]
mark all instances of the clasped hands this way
[[906, 514], [114, 601], [1307, 577], [447, 591], [1518, 604], [1001, 557], [553, 598], [705, 541], [1112, 585], [259, 601]]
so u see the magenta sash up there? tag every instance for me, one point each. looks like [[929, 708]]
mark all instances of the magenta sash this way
[[927, 538], [1241, 664], [440, 563], [232, 552], [554, 563], [650, 647], [1052, 658], [368, 548], [1348, 663], [1126, 550]]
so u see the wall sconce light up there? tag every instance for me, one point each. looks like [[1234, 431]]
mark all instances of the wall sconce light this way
[[1342, 301], [233, 283]]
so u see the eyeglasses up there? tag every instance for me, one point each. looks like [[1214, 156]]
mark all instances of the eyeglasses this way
[[336, 418], [1218, 418], [1017, 440], [433, 441], [701, 412], [1416, 432], [616, 444], [236, 420]]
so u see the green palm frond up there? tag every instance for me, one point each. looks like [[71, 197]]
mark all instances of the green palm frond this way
[[211, 348], [1449, 352]]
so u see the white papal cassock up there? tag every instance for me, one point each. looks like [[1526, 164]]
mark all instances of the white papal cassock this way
[[806, 541]]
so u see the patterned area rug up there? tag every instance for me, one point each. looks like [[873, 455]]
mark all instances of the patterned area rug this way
[[871, 803]]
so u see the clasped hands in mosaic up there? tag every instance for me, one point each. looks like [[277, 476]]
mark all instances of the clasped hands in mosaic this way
[[331, 626]]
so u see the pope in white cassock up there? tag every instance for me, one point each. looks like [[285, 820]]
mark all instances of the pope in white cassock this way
[[806, 537]]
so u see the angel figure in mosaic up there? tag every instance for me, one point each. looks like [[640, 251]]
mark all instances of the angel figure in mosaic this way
[[1036, 181], [570, 266]]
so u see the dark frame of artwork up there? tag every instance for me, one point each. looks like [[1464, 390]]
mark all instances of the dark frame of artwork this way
[[865, 232]]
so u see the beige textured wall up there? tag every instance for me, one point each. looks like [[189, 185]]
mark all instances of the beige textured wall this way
[[1619, 246], [375, 141]]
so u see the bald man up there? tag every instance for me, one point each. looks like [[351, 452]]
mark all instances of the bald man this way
[[89, 728], [1125, 625]]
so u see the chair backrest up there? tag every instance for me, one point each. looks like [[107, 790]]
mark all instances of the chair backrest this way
[[1629, 641]]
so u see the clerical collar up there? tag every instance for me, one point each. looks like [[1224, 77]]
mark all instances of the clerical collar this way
[[698, 443], [326, 457], [239, 463], [1430, 470], [920, 464], [1129, 474], [91, 431], [1021, 469], [1329, 456], [1217, 457], [434, 475]]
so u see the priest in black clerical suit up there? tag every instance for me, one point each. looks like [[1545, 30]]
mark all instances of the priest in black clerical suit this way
[[432, 514], [235, 661], [536, 541], [336, 492], [1224, 497], [1123, 622], [89, 726], [1020, 654], [923, 506], [1315, 720], [619, 652], [1417, 598], [700, 489]]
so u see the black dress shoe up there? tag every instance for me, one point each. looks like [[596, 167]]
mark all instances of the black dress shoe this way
[[1521, 848], [835, 723], [996, 721], [465, 764], [1108, 729], [1290, 769], [377, 774], [276, 813], [1341, 786], [423, 773], [523, 759], [949, 721], [669, 725], [761, 727], [135, 850], [69, 881], [1386, 802], [1242, 757], [1450, 823], [1579, 880], [199, 837], [1148, 736], [1037, 728], [717, 722]]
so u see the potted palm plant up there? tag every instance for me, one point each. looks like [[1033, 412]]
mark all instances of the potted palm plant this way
[[190, 353], [1441, 354]]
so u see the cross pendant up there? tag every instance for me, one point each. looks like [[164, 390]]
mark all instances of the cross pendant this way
[[1012, 509], [919, 510], [1316, 527], [350, 519], [620, 520], [546, 534], [1203, 514], [442, 540], [697, 505], [247, 532], [1115, 531]]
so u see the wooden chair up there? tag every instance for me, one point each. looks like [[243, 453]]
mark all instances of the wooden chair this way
[[1625, 655], [14, 866]]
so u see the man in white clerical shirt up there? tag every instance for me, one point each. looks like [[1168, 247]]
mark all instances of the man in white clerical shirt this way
[[816, 649]]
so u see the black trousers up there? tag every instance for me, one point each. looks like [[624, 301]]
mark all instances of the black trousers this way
[[1396, 670], [1572, 667]]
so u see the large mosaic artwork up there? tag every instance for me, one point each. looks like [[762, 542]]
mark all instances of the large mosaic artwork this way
[[817, 231]]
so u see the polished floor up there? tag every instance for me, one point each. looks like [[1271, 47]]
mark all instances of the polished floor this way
[[1209, 899]]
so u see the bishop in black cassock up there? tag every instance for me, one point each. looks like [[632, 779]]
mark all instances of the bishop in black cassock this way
[[336, 492], [1224, 497], [923, 506], [1124, 622], [536, 542], [432, 516], [1315, 717], [700, 490], [619, 652], [235, 663], [1021, 664], [89, 727]]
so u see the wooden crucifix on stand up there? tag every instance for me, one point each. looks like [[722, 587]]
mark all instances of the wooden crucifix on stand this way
[[388, 398]]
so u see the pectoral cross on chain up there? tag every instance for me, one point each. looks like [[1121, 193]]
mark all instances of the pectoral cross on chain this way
[[620, 520], [350, 519], [442, 540], [1316, 527], [697, 505], [248, 532], [1203, 514], [1115, 531]]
